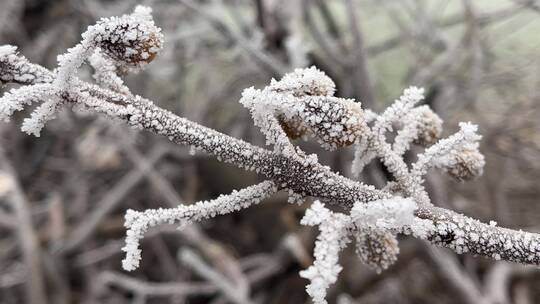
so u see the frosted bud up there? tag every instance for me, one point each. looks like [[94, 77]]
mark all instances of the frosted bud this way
[[429, 126], [377, 250], [131, 40], [310, 81], [294, 128], [335, 122], [469, 164]]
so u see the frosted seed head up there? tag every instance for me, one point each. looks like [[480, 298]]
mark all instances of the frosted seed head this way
[[130, 40], [469, 165], [429, 127], [377, 250], [335, 122], [294, 128]]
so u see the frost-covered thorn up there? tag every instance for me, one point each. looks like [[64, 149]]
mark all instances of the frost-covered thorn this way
[[401, 107]]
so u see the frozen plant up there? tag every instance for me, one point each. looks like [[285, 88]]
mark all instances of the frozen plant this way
[[301, 104], [126, 42]]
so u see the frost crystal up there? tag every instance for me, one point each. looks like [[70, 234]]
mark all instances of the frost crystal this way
[[378, 249], [42, 114], [105, 73], [401, 107], [384, 215], [131, 40]]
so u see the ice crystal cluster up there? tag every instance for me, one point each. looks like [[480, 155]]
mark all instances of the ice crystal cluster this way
[[302, 104]]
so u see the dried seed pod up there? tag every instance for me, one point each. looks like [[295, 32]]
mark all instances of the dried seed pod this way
[[131, 40], [378, 250], [469, 164], [302, 103], [294, 128], [335, 122], [429, 126]]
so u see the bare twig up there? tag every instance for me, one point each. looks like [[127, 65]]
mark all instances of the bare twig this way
[[35, 287]]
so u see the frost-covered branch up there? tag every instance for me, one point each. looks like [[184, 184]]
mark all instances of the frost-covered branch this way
[[335, 235], [467, 235], [303, 175], [17, 69], [300, 105], [137, 223]]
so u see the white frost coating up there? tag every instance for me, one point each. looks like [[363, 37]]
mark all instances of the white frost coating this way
[[16, 68], [393, 214], [421, 125], [377, 225], [15, 99], [105, 73], [131, 40], [263, 106], [362, 156], [41, 115], [402, 106], [377, 249], [401, 112], [7, 50], [137, 223], [309, 81], [333, 238]]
